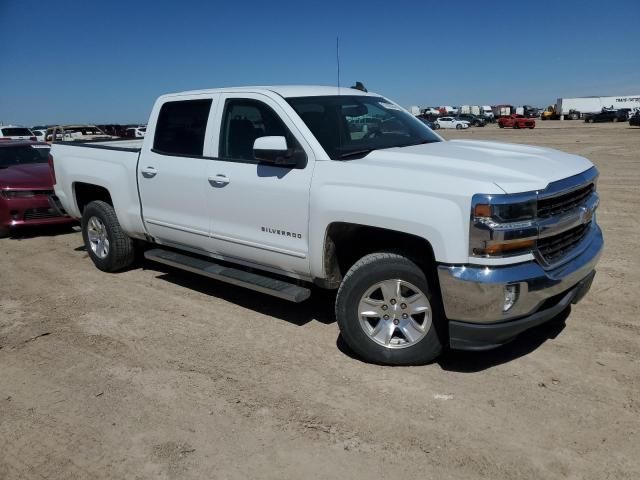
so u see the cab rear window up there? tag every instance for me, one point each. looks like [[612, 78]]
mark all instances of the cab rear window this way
[[181, 127]]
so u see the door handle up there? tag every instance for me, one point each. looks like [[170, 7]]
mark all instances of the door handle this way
[[149, 172], [219, 180]]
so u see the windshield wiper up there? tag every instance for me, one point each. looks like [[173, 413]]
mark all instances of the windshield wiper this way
[[355, 153]]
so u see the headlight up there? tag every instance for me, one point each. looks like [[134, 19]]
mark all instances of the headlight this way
[[18, 193], [503, 225]]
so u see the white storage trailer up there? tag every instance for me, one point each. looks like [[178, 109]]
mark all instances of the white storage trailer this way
[[596, 104]]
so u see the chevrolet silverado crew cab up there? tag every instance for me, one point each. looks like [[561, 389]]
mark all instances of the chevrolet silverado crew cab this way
[[429, 243]]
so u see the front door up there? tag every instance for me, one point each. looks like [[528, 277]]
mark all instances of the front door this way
[[259, 212]]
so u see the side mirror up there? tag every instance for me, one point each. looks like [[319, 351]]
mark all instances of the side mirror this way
[[274, 150]]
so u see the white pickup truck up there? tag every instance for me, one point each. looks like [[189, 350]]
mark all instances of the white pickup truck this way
[[429, 243]]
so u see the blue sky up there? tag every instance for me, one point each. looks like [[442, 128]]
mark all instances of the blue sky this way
[[106, 61]]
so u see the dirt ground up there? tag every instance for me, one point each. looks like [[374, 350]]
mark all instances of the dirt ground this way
[[157, 373]]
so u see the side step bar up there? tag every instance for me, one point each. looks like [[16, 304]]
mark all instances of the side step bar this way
[[241, 278]]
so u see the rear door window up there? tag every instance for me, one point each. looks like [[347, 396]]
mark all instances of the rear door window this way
[[181, 127]]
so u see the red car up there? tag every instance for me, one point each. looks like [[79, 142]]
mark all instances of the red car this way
[[25, 187], [516, 121]]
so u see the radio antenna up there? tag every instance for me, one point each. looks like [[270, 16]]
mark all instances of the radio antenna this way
[[338, 60]]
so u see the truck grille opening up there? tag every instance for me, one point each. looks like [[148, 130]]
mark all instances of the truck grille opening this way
[[548, 207], [554, 248], [40, 213]]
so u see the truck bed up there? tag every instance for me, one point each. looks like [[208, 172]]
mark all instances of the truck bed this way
[[108, 164], [124, 144]]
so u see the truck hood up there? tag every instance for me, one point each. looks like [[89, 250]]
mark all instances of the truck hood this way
[[29, 175], [513, 168]]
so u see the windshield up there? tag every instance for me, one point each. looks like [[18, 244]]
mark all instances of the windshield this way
[[21, 154], [351, 126]]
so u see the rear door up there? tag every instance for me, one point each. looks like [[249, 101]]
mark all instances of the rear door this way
[[259, 212], [172, 172]]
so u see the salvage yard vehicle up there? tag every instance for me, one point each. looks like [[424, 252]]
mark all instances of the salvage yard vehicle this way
[[429, 243], [516, 121], [76, 133], [607, 116], [635, 120], [450, 122], [11, 132], [25, 187], [472, 119]]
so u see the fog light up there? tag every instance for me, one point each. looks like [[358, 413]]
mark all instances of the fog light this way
[[510, 297]]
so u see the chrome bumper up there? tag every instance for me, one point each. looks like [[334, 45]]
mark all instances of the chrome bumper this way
[[475, 294]]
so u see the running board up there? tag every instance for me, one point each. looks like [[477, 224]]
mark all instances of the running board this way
[[241, 278]]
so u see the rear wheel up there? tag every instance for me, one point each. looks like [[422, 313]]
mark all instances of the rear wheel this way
[[387, 312], [590, 120], [108, 246]]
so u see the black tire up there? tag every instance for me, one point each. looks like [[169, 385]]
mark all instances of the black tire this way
[[4, 232], [615, 119], [364, 274], [121, 251], [589, 120], [458, 127], [500, 125], [436, 126]]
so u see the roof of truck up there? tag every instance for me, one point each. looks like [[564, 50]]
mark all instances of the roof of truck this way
[[286, 91]]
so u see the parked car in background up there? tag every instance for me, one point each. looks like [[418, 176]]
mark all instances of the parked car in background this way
[[113, 129], [634, 121], [25, 187], [429, 123], [516, 121], [450, 122], [12, 132], [606, 115], [430, 111], [73, 133], [40, 135], [136, 132], [473, 120]]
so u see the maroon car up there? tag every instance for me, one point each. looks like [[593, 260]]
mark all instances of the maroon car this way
[[26, 187]]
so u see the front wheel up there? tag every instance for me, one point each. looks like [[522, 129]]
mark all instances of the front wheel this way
[[108, 245], [387, 312], [458, 127]]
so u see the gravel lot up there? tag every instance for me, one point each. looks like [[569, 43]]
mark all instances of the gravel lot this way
[[157, 373]]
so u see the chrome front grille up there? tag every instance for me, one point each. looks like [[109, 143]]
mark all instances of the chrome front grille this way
[[548, 207], [553, 249]]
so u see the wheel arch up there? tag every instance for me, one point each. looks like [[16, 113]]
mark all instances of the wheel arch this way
[[345, 243], [85, 193]]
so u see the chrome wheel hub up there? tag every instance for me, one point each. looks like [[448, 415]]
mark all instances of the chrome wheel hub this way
[[98, 238], [395, 313]]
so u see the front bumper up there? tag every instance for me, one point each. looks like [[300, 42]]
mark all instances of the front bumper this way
[[473, 296], [35, 211]]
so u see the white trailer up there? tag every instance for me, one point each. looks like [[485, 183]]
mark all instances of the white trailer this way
[[595, 104]]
